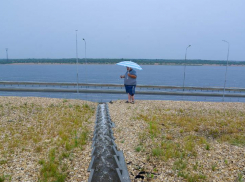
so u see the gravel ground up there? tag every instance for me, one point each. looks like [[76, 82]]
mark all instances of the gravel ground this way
[[21, 163], [128, 129]]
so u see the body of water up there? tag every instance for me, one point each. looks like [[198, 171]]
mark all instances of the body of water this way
[[202, 76]]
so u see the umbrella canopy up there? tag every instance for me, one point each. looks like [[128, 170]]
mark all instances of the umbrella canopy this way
[[130, 64]]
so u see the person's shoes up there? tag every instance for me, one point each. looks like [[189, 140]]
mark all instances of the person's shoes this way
[[132, 102], [127, 101]]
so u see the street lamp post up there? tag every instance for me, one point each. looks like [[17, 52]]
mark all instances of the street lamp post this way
[[85, 50], [77, 62], [85, 63], [185, 66], [226, 67], [85, 59], [7, 54]]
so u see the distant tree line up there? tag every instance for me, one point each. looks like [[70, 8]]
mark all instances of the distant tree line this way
[[114, 61]]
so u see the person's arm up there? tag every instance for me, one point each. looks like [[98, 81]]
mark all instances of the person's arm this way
[[132, 76]]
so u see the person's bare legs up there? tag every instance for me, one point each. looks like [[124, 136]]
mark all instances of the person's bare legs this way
[[132, 97], [129, 97]]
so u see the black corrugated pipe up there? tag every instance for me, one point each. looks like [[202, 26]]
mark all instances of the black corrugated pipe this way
[[107, 164]]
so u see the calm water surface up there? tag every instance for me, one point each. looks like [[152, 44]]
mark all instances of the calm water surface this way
[[203, 76], [208, 76]]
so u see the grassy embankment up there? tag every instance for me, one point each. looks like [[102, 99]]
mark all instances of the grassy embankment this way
[[53, 133], [183, 135]]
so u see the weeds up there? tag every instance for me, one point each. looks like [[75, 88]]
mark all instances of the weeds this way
[[138, 149], [180, 166], [50, 171], [238, 140], [41, 161], [240, 178], [195, 166], [214, 167], [3, 162], [2, 178], [157, 152], [192, 177], [183, 132], [50, 168], [65, 155], [226, 162], [68, 146], [207, 147], [208, 125], [61, 127], [38, 149]]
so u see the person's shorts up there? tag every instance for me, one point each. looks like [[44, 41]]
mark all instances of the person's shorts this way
[[130, 89]]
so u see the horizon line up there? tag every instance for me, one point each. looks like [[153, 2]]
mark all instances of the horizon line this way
[[126, 59]]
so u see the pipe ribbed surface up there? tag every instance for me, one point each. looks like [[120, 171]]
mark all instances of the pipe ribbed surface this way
[[107, 164]]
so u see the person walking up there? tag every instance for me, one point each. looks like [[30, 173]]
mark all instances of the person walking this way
[[130, 84]]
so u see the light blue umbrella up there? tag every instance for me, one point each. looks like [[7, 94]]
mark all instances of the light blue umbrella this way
[[130, 64]]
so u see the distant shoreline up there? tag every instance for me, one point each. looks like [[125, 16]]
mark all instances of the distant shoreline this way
[[93, 61], [114, 64]]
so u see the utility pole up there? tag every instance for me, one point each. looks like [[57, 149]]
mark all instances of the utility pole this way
[[184, 67], [7, 54], [85, 59], [77, 62], [226, 67], [85, 51]]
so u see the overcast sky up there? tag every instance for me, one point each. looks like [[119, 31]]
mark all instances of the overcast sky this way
[[155, 29]]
